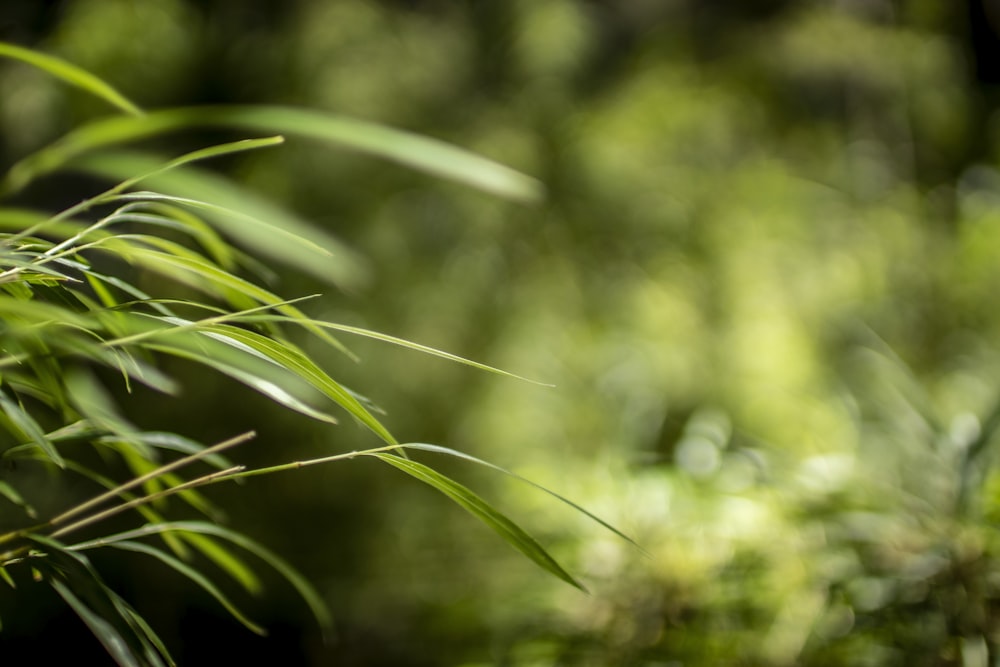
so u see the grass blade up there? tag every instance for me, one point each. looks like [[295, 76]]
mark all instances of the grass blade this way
[[27, 424], [241, 373], [14, 496], [255, 221], [301, 585], [507, 529], [422, 153], [438, 449], [106, 633], [194, 576], [103, 611], [72, 75], [286, 356]]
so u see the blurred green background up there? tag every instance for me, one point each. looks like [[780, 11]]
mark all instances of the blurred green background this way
[[764, 283]]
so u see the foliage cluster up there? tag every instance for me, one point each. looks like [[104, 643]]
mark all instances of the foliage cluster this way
[[75, 313], [762, 282]]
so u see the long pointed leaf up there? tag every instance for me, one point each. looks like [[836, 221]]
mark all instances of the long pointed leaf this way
[[507, 529], [106, 633], [71, 74], [98, 606], [423, 153], [301, 585], [196, 577], [24, 421], [438, 449], [266, 228]]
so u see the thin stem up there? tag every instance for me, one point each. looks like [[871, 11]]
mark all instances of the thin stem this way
[[295, 465], [211, 478], [222, 318], [131, 484], [153, 474]]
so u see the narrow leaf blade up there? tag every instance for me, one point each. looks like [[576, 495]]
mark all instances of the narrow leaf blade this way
[[507, 529], [71, 74]]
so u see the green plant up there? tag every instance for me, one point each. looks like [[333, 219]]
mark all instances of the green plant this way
[[75, 326]]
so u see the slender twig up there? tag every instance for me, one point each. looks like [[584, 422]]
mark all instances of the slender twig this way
[[295, 465], [221, 318], [159, 472], [235, 472], [211, 478], [122, 488]]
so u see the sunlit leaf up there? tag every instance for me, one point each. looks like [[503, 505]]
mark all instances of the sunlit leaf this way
[[287, 356], [238, 370], [423, 153], [252, 220], [24, 421], [438, 449], [95, 404], [71, 74], [507, 529]]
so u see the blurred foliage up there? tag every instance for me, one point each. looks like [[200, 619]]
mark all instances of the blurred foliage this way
[[763, 284]]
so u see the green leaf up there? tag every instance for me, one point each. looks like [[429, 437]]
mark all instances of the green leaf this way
[[438, 449], [174, 443], [301, 585], [156, 649], [195, 576], [240, 357], [507, 529], [139, 175], [423, 348], [101, 609], [422, 153], [267, 229], [106, 633], [12, 494], [92, 400], [190, 269], [419, 152], [226, 561], [27, 424], [239, 370], [286, 356], [71, 74]]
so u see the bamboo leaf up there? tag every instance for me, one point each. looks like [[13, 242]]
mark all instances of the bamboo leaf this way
[[301, 585], [286, 356], [438, 449], [253, 220], [196, 577], [423, 348], [92, 400], [226, 560], [174, 443], [197, 272], [507, 529], [106, 633], [27, 424], [157, 650], [241, 373], [208, 153], [103, 611], [418, 152], [71, 74], [14, 496]]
